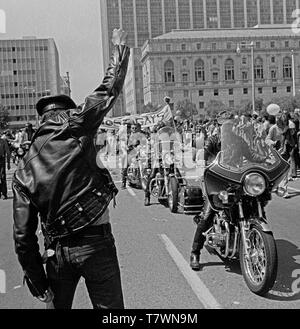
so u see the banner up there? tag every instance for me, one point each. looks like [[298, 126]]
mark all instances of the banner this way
[[144, 119]]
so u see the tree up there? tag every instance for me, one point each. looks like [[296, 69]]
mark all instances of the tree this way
[[185, 109], [149, 107], [3, 117], [214, 107]]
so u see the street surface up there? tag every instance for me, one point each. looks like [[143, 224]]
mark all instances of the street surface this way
[[154, 248]]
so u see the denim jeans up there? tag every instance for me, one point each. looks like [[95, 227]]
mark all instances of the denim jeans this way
[[92, 257]]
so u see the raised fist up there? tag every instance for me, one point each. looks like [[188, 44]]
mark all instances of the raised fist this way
[[119, 37]]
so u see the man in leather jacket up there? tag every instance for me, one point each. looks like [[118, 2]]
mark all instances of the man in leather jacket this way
[[59, 181], [205, 220]]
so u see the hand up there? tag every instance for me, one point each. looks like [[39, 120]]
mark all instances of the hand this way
[[119, 37], [47, 297]]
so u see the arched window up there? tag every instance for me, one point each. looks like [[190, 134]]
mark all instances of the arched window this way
[[169, 71], [229, 70], [199, 71], [258, 69], [287, 68]]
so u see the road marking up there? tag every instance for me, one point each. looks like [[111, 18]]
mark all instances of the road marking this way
[[293, 189], [198, 287], [17, 287], [131, 191]]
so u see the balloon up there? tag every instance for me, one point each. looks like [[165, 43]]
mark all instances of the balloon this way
[[273, 109]]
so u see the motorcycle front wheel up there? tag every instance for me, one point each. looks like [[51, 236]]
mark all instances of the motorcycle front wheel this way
[[173, 194], [259, 269]]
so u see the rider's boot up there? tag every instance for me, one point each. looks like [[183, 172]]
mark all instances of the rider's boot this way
[[147, 200], [195, 261]]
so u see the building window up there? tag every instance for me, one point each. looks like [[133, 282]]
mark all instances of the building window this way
[[214, 61], [213, 46], [286, 44], [287, 68], [183, 46], [288, 89], [273, 59], [245, 91], [244, 60], [273, 74], [185, 78], [258, 69], [201, 105], [244, 75], [168, 47], [15, 72], [257, 44], [215, 76], [198, 46], [216, 92], [184, 62], [230, 91], [231, 103], [229, 70], [199, 71], [272, 44], [14, 60], [169, 71], [201, 93], [274, 90], [228, 45], [260, 90], [185, 93]]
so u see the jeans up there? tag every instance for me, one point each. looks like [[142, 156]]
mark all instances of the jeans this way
[[205, 222], [3, 185], [92, 257]]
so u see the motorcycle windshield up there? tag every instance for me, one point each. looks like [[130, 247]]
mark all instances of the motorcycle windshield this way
[[245, 148]]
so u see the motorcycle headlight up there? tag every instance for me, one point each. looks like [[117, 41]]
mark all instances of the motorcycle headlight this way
[[254, 184]]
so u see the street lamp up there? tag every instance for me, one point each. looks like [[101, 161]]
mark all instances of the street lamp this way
[[293, 73], [238, 50]]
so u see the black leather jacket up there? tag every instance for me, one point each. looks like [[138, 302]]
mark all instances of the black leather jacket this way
[[60, 166]]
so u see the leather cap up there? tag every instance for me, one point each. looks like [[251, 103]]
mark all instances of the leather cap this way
[[48, 103]]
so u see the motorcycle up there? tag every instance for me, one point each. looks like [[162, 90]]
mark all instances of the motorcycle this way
[[238, 190], [20, 152], [169, 187], [138, 171]]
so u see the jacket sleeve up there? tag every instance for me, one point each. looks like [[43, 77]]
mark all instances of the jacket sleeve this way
[[26, 242], [98, 104]]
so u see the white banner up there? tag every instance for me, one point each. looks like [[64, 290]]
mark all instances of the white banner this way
[[145, 119]]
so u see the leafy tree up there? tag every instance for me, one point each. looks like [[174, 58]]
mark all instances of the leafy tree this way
[[149, 107], [214, 107], [185, 109], [3, 117]]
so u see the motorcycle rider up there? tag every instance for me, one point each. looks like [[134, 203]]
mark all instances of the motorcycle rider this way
[[134, 139], [236, 147]]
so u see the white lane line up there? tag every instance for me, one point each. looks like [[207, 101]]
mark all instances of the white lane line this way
[[131, 191], [199, 288], [293, 189], [17, 287]]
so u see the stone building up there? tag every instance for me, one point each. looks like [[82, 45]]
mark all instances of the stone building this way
[[215, 64]]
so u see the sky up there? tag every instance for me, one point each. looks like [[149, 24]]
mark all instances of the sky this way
[[75, 27]]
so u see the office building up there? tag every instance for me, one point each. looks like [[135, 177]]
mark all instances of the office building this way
[[29, 69], [133, 85], [212, 64]]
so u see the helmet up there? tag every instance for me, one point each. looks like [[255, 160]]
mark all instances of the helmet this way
[[224, 116]]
